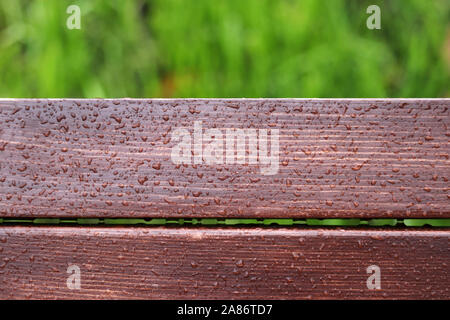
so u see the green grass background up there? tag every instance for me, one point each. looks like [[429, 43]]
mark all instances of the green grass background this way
[[234, 48]]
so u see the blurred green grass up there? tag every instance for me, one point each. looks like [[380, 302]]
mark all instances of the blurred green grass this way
[[234, 48]]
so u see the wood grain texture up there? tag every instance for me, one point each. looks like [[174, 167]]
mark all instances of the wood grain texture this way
[[209, 263], [112, 158]]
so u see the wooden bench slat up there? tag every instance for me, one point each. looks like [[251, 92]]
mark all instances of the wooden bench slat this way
[[114, 158], [210, 263]]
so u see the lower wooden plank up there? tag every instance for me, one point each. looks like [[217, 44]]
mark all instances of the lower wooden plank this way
[[214, 263]]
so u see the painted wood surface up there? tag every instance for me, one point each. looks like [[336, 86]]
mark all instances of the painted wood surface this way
[[179, 158], [228, 263]]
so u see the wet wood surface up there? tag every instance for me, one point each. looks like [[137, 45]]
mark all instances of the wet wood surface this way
[[124, 158], [228, 263]]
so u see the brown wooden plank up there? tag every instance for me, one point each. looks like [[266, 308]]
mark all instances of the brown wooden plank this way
[[208, 263], [113, 158]]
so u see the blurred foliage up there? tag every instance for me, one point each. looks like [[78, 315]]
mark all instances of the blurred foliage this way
[[234, 48]]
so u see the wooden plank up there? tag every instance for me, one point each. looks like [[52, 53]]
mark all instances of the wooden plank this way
[[304, 158], [228, 263]]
